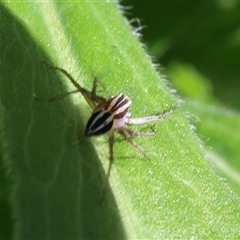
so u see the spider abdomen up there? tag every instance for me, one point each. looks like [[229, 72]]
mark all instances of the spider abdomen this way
[[99, 123], [112, 115]]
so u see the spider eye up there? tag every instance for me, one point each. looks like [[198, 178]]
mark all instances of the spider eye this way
[[99, 123]]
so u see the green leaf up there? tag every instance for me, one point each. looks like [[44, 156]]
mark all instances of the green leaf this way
[[221, 138], [58, 174]]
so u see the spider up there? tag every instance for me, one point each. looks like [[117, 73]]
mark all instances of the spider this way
[[109, 116]]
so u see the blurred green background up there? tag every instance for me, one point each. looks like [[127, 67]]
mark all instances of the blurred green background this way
[[196, 42]]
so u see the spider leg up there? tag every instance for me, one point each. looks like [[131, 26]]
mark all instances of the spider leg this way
[[138, 134], [98, 99], [96, 82], [91, 97], [94, 87], [143, 120], [123, 131], [111, 143]]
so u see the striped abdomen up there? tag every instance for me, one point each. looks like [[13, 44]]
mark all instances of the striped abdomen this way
[[112, 115]]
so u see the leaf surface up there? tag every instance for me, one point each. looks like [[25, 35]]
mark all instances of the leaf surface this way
[[58, 173]]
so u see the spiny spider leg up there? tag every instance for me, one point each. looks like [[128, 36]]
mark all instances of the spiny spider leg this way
[[138, 134], [92, 99], [123, 132], [97, 81], [143, 120]]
